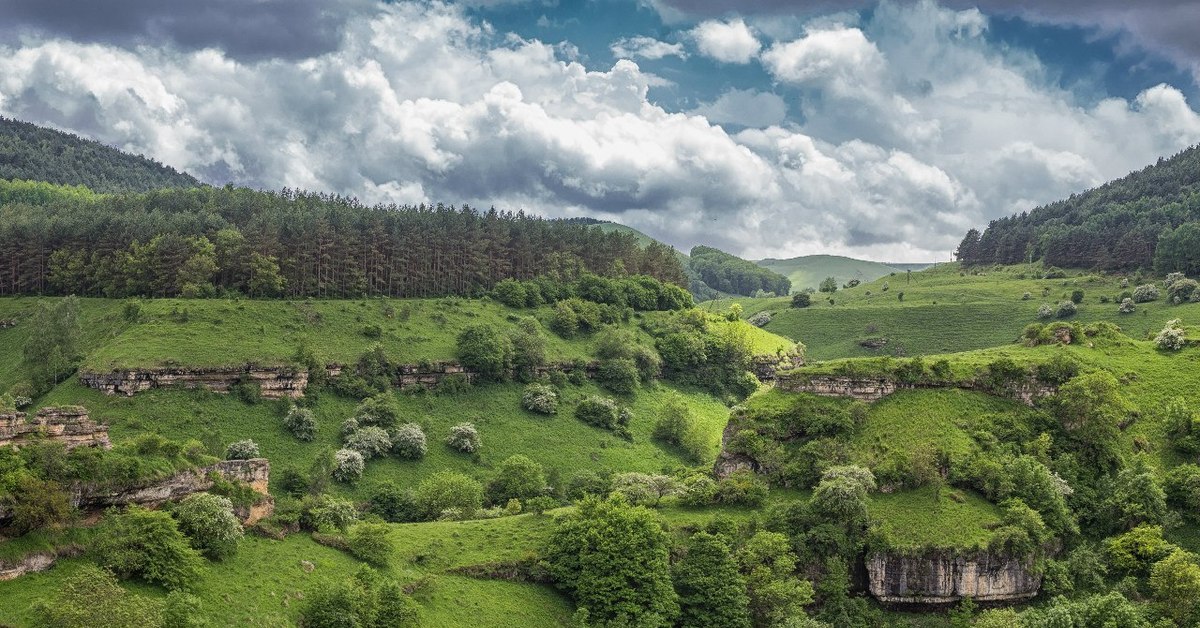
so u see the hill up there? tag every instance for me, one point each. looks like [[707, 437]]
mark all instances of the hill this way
[[32, 153], [809, 270], [1149, 218]]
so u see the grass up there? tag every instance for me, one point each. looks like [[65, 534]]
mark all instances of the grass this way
[[926, 519], [945, 312], [561, 443], [809, 270], [101, 322], [911, 420]]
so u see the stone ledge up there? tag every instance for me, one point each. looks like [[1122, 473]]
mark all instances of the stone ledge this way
[[67, 424]]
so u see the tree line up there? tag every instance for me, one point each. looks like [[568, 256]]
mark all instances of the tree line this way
[[1146, 219], [207, 241], [732, 274]]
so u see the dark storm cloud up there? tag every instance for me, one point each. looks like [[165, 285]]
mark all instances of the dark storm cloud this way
[[1167, 27], [244, 29]]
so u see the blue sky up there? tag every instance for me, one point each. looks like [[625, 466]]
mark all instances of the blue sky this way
[[876, 129]]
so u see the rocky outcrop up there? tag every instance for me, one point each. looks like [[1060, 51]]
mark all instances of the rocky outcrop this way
[[767, 367], [35, 562], [274, 382], [728, 462], [67, 424], [253, 472], [5, 323], [873, 388], [944, 577]]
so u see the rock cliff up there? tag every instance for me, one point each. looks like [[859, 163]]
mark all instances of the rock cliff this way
[[943, 577], [67, 424], [872, 389], [274, 382]]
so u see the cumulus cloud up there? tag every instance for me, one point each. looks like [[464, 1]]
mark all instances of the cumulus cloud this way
[[937, 131], [646, 48], [726, 41], [745, 107]]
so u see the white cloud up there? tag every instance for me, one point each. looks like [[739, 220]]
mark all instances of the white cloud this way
[[646, 48], [745, 107], [914, 128], [727, 42]]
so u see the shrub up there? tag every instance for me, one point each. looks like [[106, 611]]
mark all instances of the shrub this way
[[698, 490], [209, 522], [35, 503], [1077, 297], [801, 299], [301, 422], [598, 411], [485, 350], [1045, 311], [377, 411], [1127, 306], [372, 331], [742, 487], [1026, 296], [246, 390], [146, 544], [372, 543], [643, 489], [408, 441], [242, 450], [1145, 293], [393, 503], [348, 466], [325, 513], [89, 597], [540, 504], [1182, 487], [619, 375], [369, 442], [367, 600], [448, 491], [1066, 309], [1172, 337], [1182, 291], [676, 426], [518, 478], [465, 438], [510, 292], [540, 398], [564, 322], [759, 319], [711, 591]]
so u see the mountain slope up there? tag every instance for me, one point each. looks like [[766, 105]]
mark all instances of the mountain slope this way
[[808, 271], [1115, 226], [34, 153]]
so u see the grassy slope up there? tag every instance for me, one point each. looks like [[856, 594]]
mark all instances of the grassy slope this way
[[945, 312], [228, 333], [807, 271]]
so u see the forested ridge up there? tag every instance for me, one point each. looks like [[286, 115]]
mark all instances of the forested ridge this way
[[732, 274], [31, 152], [1148, 218], [208, 241]]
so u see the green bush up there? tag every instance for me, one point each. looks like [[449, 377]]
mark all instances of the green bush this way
[[325, 513], [743, 488], [1066, 309], [465, 438], [618, 375], [146, 544], [598, 411], [301, 422], [510, 292], [408, 442], [371, 542], [90, 597], [209, 522], [378, 411], [698, 490], [348, 466], [518, 478], [712, 592], [540, 398], [1077, 297], [393, 503], [801, 299], [370, 442], [34, 503], [242, 450], [367, 600], [483, 348], [449, 491], [1145, 293]]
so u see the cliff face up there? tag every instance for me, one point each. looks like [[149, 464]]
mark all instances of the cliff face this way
[[727, 461], [275, 382], [253, 472], [941, 577], [68, 424], [872, 389]]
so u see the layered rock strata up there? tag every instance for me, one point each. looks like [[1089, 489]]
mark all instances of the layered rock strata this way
[[67, 424], [943, 577]]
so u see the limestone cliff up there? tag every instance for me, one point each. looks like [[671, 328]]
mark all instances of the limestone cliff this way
[[944, 577], [873, 388], [67, 424], [274, 382]]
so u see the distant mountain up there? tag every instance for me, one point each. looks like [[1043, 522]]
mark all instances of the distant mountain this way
[[34, 153], [1150, 217], [808, 271]]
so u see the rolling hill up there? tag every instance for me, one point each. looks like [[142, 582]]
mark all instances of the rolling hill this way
[[32, 153], [807, 271]]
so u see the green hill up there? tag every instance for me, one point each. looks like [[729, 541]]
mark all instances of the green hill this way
[[1116, 226], [808, 271], [32, 153]]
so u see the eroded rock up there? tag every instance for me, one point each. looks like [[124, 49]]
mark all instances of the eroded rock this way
[[70, 425], [944, 577]]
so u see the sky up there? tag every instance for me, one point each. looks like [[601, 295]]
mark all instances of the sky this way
[[767, 128]]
